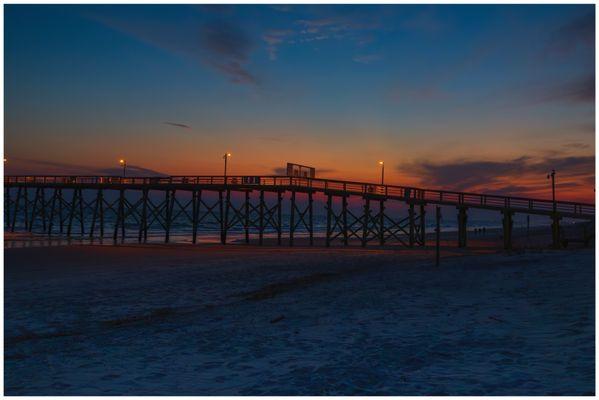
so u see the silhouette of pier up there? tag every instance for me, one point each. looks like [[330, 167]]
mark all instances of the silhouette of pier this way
[[44, 202]]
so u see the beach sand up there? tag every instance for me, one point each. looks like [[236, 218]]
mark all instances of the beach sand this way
[[246, 320]]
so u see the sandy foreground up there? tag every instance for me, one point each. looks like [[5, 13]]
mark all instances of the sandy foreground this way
[[237, 320]]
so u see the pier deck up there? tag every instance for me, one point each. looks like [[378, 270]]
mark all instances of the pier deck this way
[[374, 224]]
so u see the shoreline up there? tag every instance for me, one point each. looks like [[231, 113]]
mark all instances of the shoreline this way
[[536, 237]]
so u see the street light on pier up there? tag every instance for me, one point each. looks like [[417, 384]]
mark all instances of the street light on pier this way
[[552, 177], [225, 157], [123, 163], [382, 164]]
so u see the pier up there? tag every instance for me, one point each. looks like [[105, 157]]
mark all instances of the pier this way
[[57, 205]]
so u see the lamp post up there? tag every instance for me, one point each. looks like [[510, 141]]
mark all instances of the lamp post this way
[[382, 164], [552, 177], [225, 157], [123, 163]]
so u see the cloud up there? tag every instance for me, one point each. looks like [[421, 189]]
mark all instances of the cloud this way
[[220, 45], [367, 58], [225, 40], [177, 125], [584, 127], [576, 145], [519, 176], [581, 90], [132, 170], [228, 49], [576, 33], [274, 38], [47, 167], [337, 23], [354, 27]]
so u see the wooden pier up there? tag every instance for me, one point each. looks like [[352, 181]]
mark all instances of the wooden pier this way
[[78, 206]]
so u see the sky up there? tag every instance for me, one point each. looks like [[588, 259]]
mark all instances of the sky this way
[[465, 97]]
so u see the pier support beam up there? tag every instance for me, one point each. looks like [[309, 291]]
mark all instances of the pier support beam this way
[[56, 197], [38, 209], [508, 224], [71, 212], [292, 219], [143, 223], [437, 236], [25, 208], [311, 216], [412, 225], [196, 201], [225, 224], [329, 217], [246, 217], [97, 206], [169, 204], [422, 225], [101, 213], [261, 221], [555, 231], [344, 218], [60, 214], [462, 226], [365, 221], [52, 208], [381, 222], [6, 207], [221, 214], [279, 217], [120, 220]]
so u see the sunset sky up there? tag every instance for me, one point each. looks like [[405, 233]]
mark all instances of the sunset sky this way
[[477, 98]]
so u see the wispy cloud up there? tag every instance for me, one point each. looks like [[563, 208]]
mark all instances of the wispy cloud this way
[[588, 127], [48, 167], [335, 26], [314, 27], [576, 146], [177, 125], [274, 38], [572, 35], [132, 170], [221, 45], [580, 90], [520, 176], [356, 28], [228, 49]]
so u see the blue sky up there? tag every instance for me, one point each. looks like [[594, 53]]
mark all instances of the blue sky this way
[[339, 87]]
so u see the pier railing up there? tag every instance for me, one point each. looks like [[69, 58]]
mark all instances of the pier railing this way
[[434, 196]]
